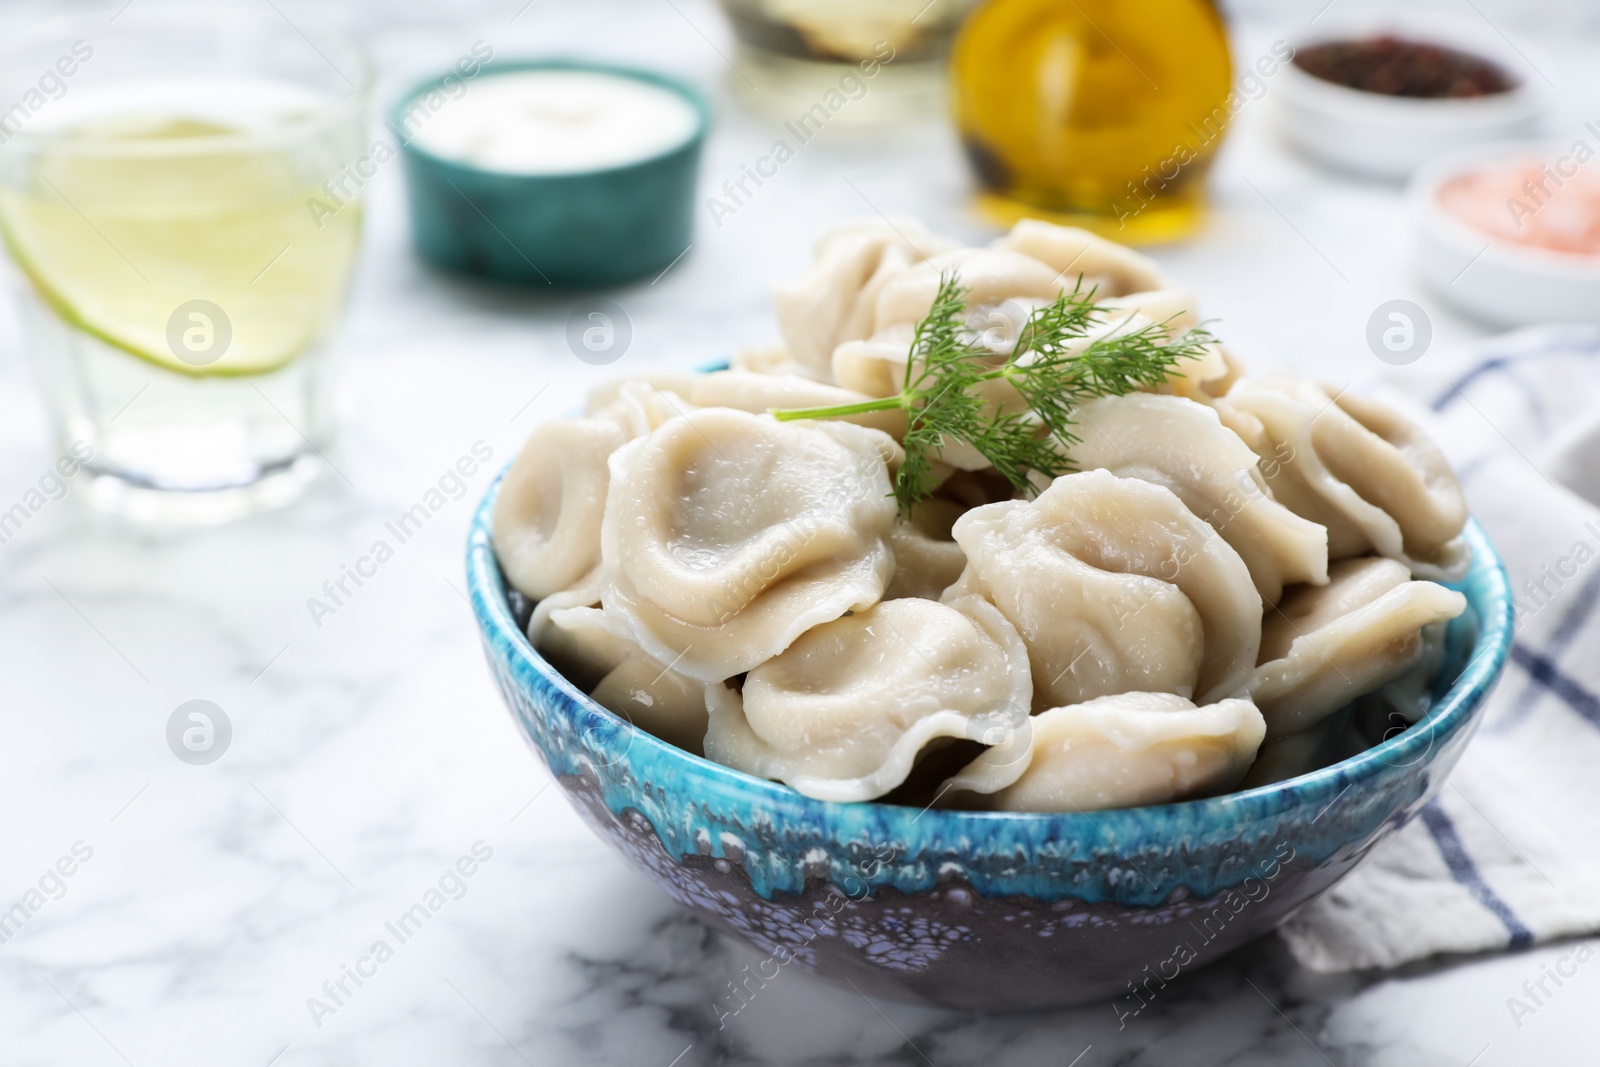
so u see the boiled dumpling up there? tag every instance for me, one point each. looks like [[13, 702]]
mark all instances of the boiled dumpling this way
[[1003, 288], [1115, 587], [546, 525], [927, 560], [1114, 752], [845, 710], [1176, 308], [834, 301], [1324, 646], [1406, 698], [1329, 741], [761, 393], [1201, 377], [768, 357], [990, 276], [584, 645], [594, 653], [1180, 444], [1363, 471], [639, 405], [585, 593], [1112, 269], [727, 535]]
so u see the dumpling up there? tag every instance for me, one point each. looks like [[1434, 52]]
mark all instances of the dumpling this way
[[1176, 311], [843, 713], [1115, 587], [584, 594], [1114, 752], [761, 393], [1326, 645], [1112, 269], [1003, 289], [546, 523], [768, 357], [991, 276], [1406, 698], [834, 300], [927, 560], [591, 651], [1177, 308], [1180, 444], [1363, 471], [1329, 741], [639, 405], [657, 699], [1396, 466], [727, 535], [876, 366], [584, 645]]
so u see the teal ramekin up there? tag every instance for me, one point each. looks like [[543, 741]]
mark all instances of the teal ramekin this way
[[580, 230]]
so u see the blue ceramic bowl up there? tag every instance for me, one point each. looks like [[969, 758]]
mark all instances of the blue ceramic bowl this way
[[593, 228], [985, 910]]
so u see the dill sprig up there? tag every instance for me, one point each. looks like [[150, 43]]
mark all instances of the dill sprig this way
[[1050, 366]]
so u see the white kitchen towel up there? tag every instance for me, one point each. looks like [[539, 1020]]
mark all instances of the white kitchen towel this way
[[1509, 853]]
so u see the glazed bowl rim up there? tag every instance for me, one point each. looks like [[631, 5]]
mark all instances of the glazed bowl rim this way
[[1407, 748]]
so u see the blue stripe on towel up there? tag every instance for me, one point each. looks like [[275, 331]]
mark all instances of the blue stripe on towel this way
[[1557, 681], [1566, 630], [1563, 344], [1492, 366], [1466, 872]]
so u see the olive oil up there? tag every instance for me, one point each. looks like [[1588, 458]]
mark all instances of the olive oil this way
[[1098, 113]]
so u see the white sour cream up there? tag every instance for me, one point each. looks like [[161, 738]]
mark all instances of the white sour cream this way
[[550, 121]]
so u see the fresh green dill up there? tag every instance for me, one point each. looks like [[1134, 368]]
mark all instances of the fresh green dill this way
[[1054, 365]]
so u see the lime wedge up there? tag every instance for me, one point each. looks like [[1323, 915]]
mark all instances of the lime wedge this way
[[204, 262]]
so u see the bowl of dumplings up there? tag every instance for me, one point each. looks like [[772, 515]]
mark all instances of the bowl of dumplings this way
[[1034, 740]]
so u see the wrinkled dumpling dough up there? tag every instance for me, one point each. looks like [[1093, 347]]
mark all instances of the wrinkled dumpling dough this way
[[584, 594], [768, 357], [991, 277], [1361, 469], [834, 301], [1112, 269], [927, 560], [1115, 587], [639, 405], [593, 652], [1114, 752], [1181, 444], [761, 393], [843, 713], [546, 524], [1176, 311], [1003, 289], [727, 535], [1329, 741], [1405, 699], [1326, 645], [1176, 308]]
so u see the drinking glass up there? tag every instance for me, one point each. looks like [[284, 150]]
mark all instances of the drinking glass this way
[[181, 201]]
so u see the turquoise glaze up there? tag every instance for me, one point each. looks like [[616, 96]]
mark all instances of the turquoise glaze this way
[[940, 905], [589, 229]]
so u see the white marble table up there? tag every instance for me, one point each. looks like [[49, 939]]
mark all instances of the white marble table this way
[[371, 752]]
